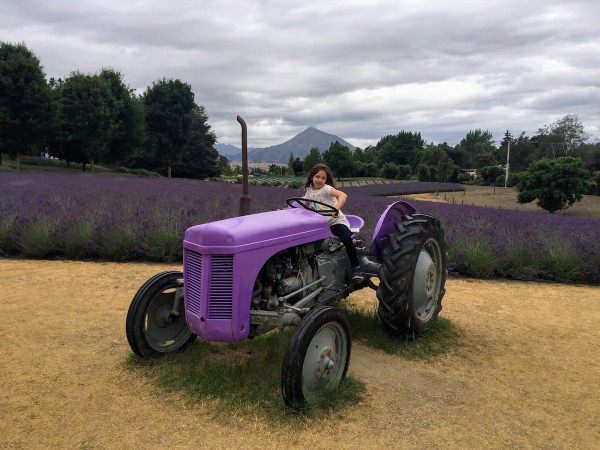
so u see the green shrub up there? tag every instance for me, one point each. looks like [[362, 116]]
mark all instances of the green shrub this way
[[464, 178], [520, 264], [78, 240], [476, 258], [490, 174], [8, 235], [118, 243], [404, 172], [165, 242], [37, 239], [563, 263], [513, 179], [138, 172], [389, 170]]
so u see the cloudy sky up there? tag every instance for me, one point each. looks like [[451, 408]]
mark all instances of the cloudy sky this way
[[357, 69]]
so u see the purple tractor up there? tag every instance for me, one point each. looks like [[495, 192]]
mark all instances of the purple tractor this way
[[248, 275]]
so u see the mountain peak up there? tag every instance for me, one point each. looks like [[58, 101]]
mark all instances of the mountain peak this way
[[300, 145]]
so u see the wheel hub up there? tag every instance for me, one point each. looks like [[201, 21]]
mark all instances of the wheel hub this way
[[162, 318], [426, 282], [325, 364]]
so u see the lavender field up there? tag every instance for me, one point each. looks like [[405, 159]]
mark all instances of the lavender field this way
[[111, 217]]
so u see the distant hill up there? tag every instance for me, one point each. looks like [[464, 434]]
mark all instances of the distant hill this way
[[299, 145], [228, 150]]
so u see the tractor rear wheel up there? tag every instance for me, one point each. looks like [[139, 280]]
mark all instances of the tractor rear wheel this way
[[412, 276], [317, 356], [153, 326]]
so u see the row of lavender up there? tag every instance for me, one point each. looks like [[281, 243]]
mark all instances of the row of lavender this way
[[124, 217], [403, 188]]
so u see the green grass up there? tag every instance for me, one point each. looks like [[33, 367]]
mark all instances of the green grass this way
[[245, 377], [443, 336], [240, 378]]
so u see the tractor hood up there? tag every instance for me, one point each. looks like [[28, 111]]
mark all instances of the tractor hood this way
[[257, 230]]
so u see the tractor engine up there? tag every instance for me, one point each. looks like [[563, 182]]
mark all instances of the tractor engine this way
[[285, 272]]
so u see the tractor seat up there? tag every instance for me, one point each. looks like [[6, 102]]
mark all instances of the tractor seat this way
[[356, 223]]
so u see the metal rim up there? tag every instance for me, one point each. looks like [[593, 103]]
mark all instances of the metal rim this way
[[325, 358], [163, 332], [428, 279]]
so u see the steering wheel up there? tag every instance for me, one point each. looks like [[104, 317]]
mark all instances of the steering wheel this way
[[328, 211]]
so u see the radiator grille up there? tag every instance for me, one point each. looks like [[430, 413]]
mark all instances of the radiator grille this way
[[193, 282], [220, 296]]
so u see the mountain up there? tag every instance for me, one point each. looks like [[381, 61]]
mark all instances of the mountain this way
[[230, 151], [299, 145]]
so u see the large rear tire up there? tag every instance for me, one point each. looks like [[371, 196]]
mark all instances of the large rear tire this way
[[317, 356], [412, 276], [152, 329]]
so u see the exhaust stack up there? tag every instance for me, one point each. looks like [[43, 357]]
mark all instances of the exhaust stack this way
[[245, 198]]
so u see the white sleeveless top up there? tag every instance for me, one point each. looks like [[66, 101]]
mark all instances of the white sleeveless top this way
[[324, 195]]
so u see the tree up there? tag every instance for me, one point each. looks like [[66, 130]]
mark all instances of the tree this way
[[128, 127], [274, 169], [479, 148], [168, 108], [590, 154], [25, 102], [404, 171], [369, 154], [370, 169], [389, 170], [313, 157], [297, 167], [400, 149], [339, 158], [555, 183], [85, 116], [223, 165], [459, 156], [563, 136], [521, 151], [569, 131], [358, 155], [489, 174], [290, 165], [199, 159], [441, 168]]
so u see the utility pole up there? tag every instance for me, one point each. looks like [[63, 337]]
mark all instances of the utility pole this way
[[507, 164]]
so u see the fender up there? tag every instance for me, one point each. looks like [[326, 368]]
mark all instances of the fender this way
[[385, 225]]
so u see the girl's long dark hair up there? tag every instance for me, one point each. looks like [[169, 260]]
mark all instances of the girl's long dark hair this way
[[316, 168]]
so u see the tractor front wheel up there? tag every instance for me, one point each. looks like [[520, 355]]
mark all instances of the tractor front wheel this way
[[155, 325], [412, 276], [316, 357]]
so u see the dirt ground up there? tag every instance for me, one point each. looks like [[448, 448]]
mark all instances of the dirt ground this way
[[525, 376]]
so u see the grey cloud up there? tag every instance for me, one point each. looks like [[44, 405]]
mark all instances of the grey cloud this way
[[355, 69]]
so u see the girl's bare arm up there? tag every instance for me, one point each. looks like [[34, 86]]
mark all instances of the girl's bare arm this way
[[341, 197]]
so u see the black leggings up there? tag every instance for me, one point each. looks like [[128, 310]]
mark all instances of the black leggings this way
[[345, 235]]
